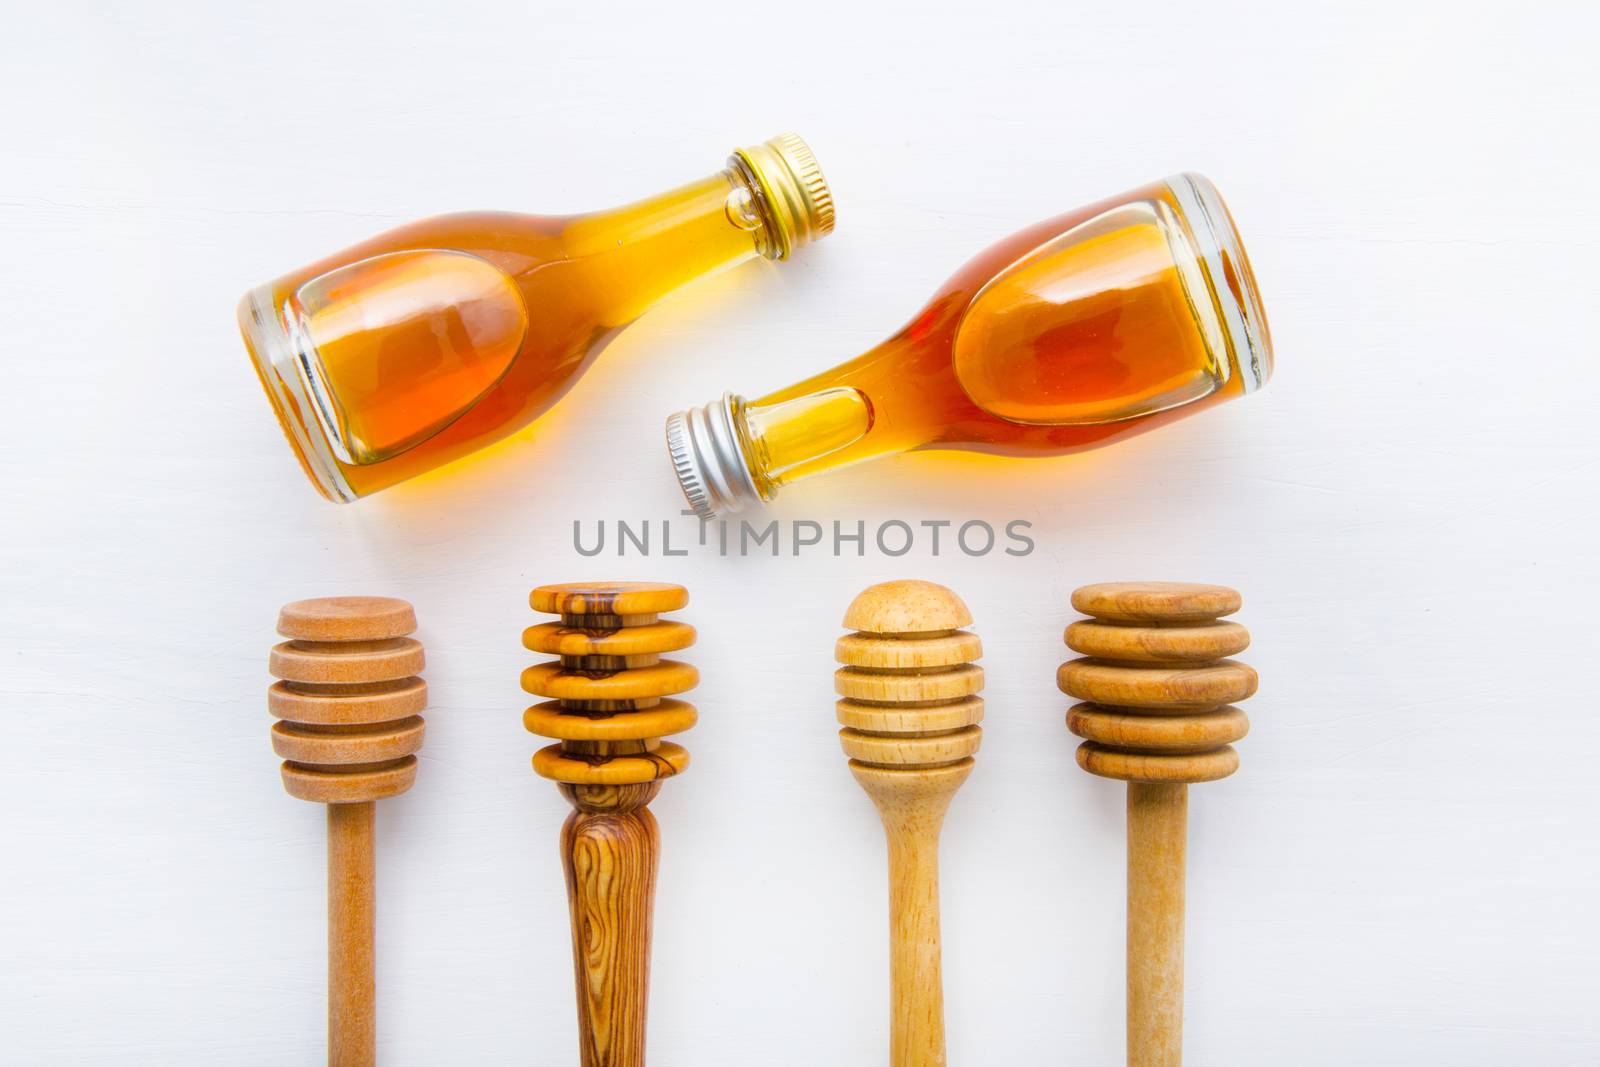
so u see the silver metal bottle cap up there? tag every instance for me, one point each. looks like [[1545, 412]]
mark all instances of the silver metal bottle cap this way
[[711, 467]]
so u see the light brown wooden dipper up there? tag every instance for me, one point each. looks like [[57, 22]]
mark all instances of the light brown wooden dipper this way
[[1158, 690], [611, 705], [910, 713], [348, 700]]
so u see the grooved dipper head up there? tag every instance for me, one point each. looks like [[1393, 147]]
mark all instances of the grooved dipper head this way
[[348, 698], [610, 689], [908, 683], [1156, 686]]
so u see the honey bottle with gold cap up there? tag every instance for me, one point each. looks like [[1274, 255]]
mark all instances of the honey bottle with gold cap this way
[[1079, 331], [428, 342]]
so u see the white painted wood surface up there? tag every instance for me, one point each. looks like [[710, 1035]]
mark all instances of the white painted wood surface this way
[[1403, 872]]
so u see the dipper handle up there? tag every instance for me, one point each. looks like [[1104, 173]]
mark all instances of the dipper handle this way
[[352, 920], [1158, 845]]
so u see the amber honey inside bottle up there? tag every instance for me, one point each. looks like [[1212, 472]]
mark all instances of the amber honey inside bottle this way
[[431, 341], [1101, 323]]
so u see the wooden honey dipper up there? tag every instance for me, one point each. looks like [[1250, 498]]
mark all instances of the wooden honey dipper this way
[[1157, 690], [611, 706], [348, 700], [910, 713]]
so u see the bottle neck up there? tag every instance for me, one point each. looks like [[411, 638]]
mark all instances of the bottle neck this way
[[770, 199], [791, 439], [637, 254], [731, 454]]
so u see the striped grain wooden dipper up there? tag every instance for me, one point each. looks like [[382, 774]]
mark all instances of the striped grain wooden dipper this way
[[348, 701], [910, 713], [1157, 690], [611, 706]]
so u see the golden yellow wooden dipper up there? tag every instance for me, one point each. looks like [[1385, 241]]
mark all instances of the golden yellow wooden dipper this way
[[910, 713], [610, 707], [348, 700], [1157, 690]]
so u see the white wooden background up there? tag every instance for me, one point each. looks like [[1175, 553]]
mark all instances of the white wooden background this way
[[1405, 870]]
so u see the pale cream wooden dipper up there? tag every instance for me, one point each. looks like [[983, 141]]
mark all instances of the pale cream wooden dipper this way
[[910, 713], [348, 700], [1157, 690]]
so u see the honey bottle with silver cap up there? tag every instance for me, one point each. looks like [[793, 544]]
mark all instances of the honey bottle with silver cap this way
[[429, 342], [1082, 330]]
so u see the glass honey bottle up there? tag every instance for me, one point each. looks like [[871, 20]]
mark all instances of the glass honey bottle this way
[[1079, 331], [428, 342]]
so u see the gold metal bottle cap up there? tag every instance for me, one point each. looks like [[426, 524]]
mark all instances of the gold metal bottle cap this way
[[793, 191]]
